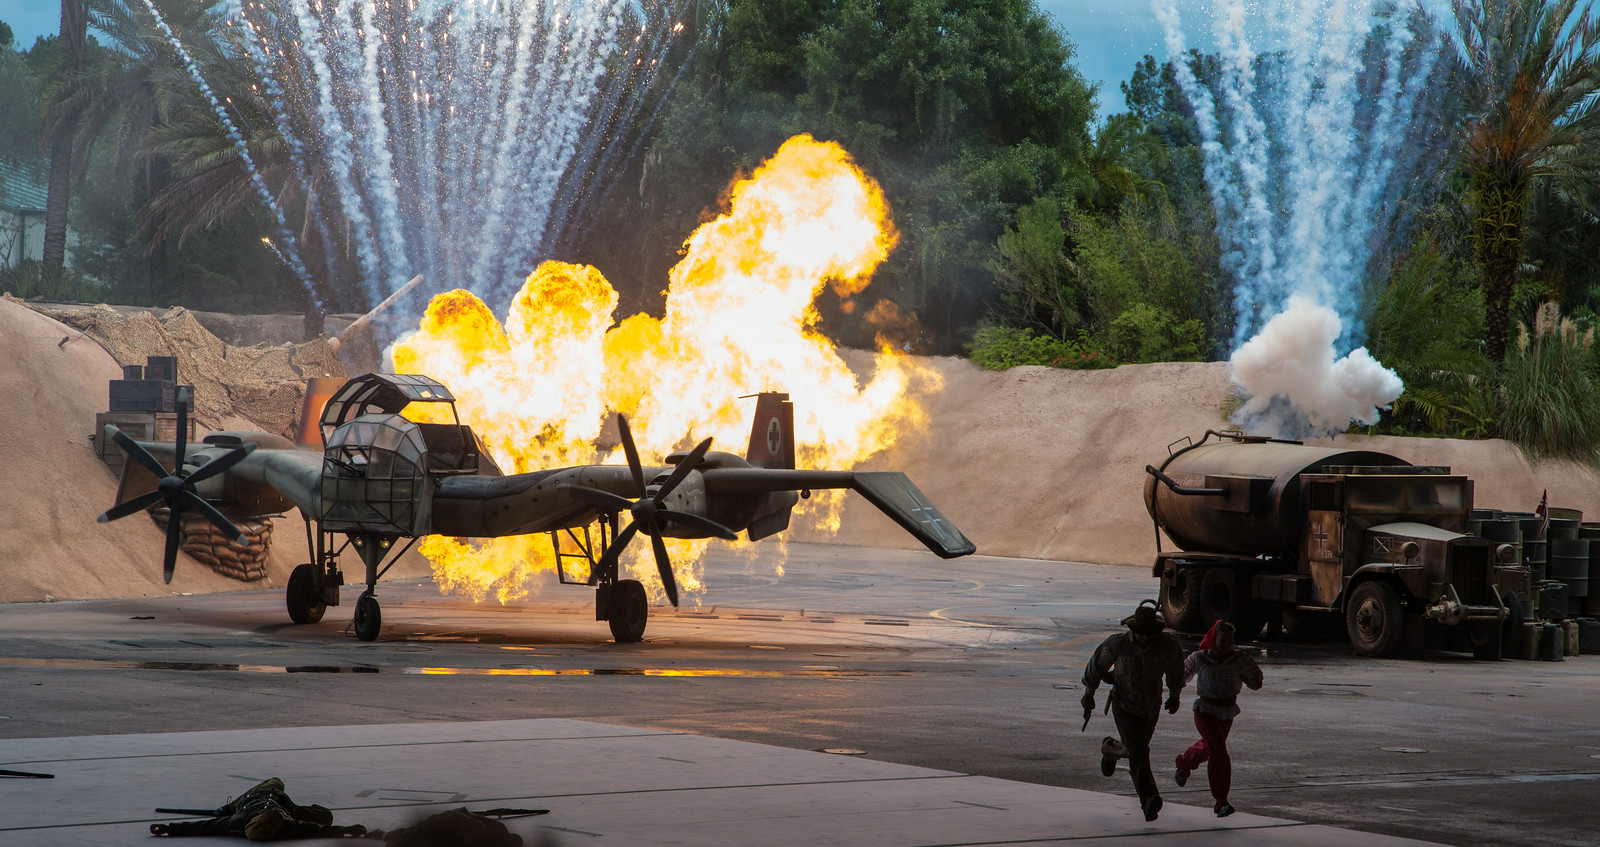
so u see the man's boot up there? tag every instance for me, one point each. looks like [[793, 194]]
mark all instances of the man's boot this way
[[1111, 750], [1151, 806]]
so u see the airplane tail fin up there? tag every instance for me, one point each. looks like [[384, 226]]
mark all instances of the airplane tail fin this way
[[772, 434]]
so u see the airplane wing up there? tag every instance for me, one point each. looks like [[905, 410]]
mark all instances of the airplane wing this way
[[259, 484], [891, 491]]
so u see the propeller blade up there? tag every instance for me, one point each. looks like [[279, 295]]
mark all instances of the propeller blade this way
[[170, 560], [222, 463], [632, 452], [608, 562], [688, 464], [138, 454], [704, 524], [221, 521], [605, 501], [128, 507], [664, 566], [181, 400]]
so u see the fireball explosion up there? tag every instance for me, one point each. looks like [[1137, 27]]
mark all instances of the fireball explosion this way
[[740, 318]]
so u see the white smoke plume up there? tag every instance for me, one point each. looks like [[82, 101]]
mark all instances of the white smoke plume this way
[[1297, 385]]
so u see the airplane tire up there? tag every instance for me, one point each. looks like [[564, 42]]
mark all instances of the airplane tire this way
[[303, 597], [1372, 616], [369, 618], [630, 611]]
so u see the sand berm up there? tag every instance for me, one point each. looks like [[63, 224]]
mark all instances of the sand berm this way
[[1030, 462]]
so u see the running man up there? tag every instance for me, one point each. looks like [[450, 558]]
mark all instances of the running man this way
[[1136, 661]]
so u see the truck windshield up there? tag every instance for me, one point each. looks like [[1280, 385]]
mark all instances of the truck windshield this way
[[1406, 496]]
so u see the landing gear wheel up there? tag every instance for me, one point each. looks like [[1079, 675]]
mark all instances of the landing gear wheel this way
[[630, 610], [369, 618], [1372, 617], [1180, 599], [303, 597]]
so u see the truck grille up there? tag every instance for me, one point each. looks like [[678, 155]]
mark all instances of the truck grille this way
[[1470, 574]]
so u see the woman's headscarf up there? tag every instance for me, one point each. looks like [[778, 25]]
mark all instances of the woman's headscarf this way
[[1210, 641]]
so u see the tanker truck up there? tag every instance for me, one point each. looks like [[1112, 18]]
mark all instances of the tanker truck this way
[[1273, 530]]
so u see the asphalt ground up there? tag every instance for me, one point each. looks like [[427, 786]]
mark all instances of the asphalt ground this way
[[968, 666]]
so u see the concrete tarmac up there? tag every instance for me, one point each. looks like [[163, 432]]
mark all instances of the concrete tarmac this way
[[600, 784], [955, 680]]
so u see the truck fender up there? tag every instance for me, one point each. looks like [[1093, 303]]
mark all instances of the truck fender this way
[[1387, 571]]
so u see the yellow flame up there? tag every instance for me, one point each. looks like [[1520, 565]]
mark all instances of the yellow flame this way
[[740, 318]]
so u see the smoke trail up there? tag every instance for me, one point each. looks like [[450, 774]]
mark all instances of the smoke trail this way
[[287, 249], [445, 133], [1298, 165]]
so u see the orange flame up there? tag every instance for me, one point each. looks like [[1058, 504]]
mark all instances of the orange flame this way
[[740, 318]]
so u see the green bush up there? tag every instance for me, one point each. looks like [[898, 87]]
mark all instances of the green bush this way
[[1427, 324], [1146, 333], [1000, 347], [29, 279]]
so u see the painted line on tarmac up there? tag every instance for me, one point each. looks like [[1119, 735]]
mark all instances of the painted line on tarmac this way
[[1449, 780]]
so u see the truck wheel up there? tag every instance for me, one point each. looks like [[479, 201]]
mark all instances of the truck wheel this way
[[1372, 616], [1219, 596], [1250, 620], [1180, 603], [1511, 630]]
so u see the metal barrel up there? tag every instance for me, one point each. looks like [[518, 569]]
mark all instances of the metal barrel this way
[[1477, 517], [1505, 531], [1591, 531], [1569, 563], [1534, 546], [1563, 527]]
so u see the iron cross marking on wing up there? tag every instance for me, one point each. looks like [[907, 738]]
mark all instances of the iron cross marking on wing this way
[[928, 516]]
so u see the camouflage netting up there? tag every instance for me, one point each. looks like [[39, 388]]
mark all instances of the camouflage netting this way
[[263, 385], [258, 388]]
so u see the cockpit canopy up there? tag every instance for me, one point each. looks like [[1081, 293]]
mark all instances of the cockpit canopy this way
[[376, 462], [386, 393]]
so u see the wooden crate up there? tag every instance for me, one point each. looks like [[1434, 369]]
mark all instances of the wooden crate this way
[[141, 426]]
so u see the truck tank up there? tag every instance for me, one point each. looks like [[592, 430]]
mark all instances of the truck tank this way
[[1259, 508]]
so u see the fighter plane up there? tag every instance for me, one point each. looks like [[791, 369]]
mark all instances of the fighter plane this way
[[382, 477]]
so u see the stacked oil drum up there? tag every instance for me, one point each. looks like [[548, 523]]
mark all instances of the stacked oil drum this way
[[1562, 554]]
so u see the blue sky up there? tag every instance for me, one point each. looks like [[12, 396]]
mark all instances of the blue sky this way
[[1110, 36]]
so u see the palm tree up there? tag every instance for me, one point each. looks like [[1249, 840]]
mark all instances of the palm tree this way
[[74, 41], [138, 87], [1114, 164], [1535, 72]]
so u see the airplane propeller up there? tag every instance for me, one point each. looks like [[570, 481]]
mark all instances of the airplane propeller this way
[[176, 489], [648, 513]]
